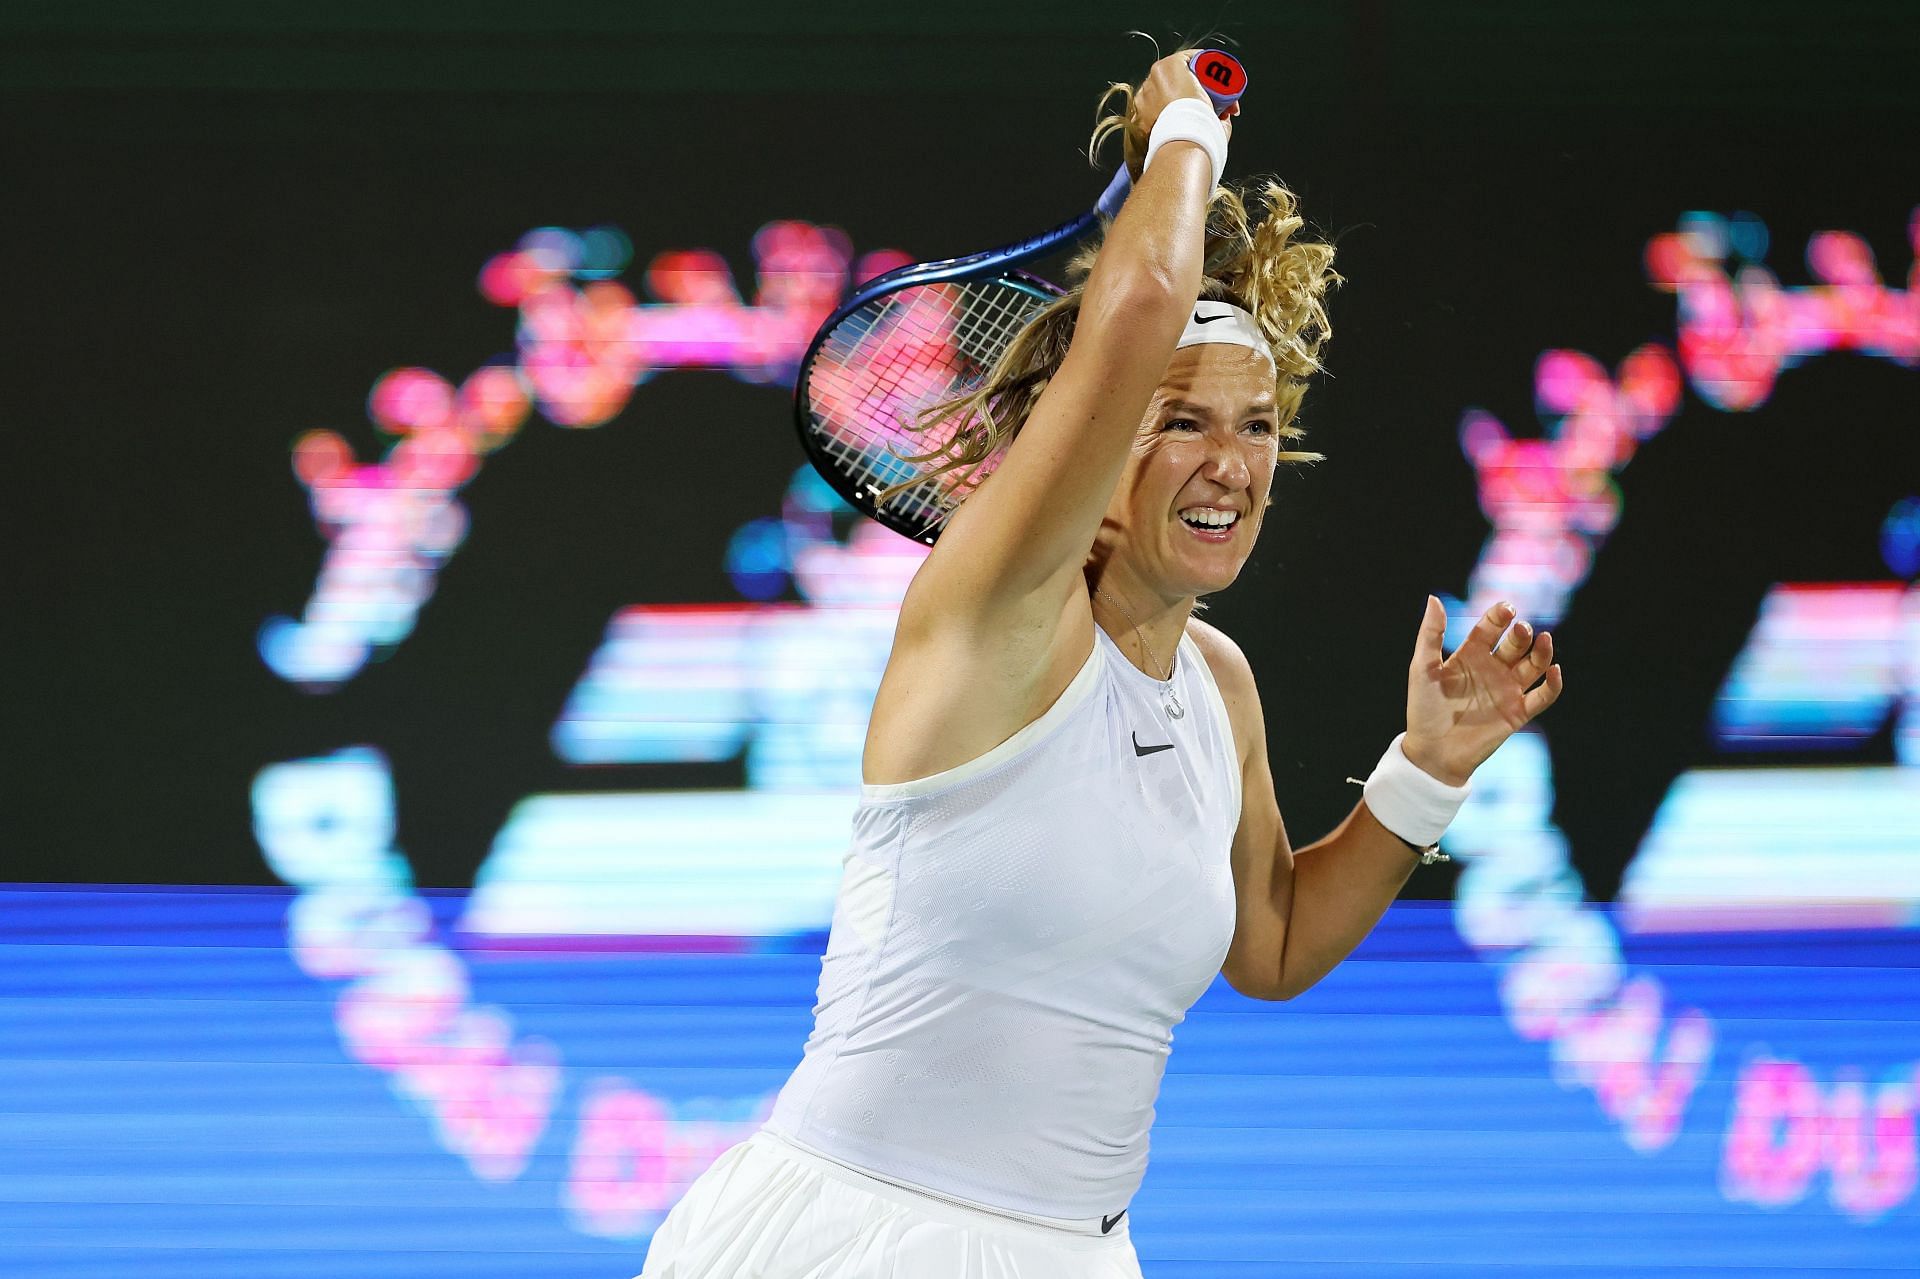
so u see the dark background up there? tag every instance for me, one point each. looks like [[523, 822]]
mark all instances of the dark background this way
[[223, 224]]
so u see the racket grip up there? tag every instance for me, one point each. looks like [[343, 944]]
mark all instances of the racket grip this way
[[1221, 76]]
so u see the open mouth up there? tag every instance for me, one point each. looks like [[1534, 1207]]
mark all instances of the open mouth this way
[[1210, 523]]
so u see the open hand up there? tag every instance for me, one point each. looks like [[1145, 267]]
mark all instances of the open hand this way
[[1461, 708]]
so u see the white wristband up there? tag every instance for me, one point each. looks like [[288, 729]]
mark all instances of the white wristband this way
[[1408, 800], [1189, 120]]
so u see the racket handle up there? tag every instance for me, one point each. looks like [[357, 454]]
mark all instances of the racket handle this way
[[1222, 76]]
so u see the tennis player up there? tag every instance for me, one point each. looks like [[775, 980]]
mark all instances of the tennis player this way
[[1068, 825]]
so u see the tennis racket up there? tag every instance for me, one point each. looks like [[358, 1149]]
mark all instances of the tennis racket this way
[[925, 333]]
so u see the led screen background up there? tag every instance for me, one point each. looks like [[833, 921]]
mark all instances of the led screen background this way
[[256, 253]]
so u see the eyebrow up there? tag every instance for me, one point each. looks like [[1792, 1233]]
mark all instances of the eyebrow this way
[[1201, 410]]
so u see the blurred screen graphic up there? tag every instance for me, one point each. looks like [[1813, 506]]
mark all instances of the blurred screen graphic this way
[[392, 1096], [527, 971], [545, 1061]]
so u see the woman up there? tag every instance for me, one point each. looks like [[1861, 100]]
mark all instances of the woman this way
[[1068, 825]]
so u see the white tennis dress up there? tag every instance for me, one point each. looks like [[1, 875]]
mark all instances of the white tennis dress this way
[[1014, 941]]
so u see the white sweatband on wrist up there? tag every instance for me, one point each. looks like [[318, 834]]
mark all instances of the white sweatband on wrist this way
[[1408, 800], [1190, 120]]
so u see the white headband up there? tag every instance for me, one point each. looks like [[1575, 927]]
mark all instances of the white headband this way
[[1223, 322]]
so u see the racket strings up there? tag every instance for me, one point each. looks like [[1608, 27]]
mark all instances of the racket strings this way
[[883, 366]]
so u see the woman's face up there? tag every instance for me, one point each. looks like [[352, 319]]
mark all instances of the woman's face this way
[[1189, 504]]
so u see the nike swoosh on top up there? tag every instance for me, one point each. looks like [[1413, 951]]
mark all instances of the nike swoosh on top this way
[[1138, 749], [1108, 1223], [1209, 319]]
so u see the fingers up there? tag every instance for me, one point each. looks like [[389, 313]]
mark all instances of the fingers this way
[[1534, 664], [1520, 647], [1180, 63], [1509, 640], [1514, 644], [1546, 695], [1169, 78], [1535, 661], [1433, 629], [1486, 631], [1175, 79], [1527, 652]]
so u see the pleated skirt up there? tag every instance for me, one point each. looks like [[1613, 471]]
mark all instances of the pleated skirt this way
[[767, 1209]]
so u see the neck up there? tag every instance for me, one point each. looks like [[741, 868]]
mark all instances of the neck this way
[[1151, 634]]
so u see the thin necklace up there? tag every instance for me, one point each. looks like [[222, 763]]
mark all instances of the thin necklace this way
[[1168, 698]]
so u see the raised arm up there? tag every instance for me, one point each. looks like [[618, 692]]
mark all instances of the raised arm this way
[[1011, 556]]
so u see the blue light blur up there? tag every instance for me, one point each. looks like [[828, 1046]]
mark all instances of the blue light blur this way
[[178, 1104]]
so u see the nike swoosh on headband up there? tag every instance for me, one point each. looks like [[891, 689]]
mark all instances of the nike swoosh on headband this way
[[1226, 323]]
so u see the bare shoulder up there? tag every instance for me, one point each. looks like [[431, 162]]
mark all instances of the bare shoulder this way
[[1235, 679], [1224, 658]]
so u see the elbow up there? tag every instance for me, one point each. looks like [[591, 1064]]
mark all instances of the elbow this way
[[1137, 298], [1280, 991], [1137, 309], [1268, 987], [1285, 986], [1292, 985], [1147, 287]]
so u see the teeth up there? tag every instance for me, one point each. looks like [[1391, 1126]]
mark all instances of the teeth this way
[[1210, 518]]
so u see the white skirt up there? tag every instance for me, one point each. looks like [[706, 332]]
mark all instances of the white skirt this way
[[767, 1209]]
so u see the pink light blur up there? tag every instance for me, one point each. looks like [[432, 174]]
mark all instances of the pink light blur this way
[[407, 1012], [585, 342], [1739, 328], [1786, 1128], [632, 1159], [1642, 1081]]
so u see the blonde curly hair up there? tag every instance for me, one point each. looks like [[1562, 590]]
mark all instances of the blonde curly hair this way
[[1257, 263]]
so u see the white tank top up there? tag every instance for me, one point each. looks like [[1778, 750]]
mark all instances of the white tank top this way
[[1014, 941]]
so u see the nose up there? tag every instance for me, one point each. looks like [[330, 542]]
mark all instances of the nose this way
[[1226, 464]]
